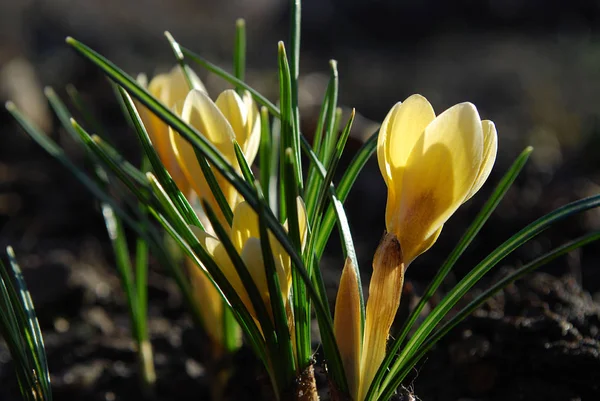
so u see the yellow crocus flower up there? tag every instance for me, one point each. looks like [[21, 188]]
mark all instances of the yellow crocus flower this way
[[431, 165], [245, 235], [230, 118], [171, 89]]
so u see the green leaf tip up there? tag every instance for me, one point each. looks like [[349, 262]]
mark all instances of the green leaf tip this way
[[281, 47], [174, 45], [70, 40], [240, 23], [10, 106], [49, 91]]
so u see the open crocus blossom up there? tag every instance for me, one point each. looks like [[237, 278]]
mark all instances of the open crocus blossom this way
[[171, 89], [431, 165], [245, 235]]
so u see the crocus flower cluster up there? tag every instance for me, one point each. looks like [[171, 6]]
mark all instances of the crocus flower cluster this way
[[231, 117], [431, 165]]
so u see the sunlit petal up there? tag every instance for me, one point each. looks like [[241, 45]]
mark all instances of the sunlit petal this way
[[490, 149], [235, 112], [399, 133], [214, 247], [439, 174], [252, 140], [209, 301], [346, 326], [203, 114], [200, 112], [244, 225], [252, 256]]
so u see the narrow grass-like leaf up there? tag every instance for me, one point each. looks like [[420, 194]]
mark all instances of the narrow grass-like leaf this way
[[54, 150], [330, 135], [216, 159], [215, 189], [458, 291], [63, 114], [13, 330], [38, 377], [241, 159], [300, 300], [343, 189], [232, 300], [247, 280], [294, 73], [129, 175], [116, 234], [260, 99], [332, 164], [159, 169], [327, 188], [480, 300], [218, 71], [239, 52], [288, 132], [471, 232], [280, 317], [141, 283], [176, 227], [180, 59], [268, 172], [83, 109], [296, 19], [277, 359], [208, 173], [312, 182]]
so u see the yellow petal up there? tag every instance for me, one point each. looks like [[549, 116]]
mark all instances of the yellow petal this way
[[176, 87], [244, 225], [157, 129], [235, 112], [252, 140], [142, 79], [385, 291], [302, 223], [214, 247], [439, 175], [399, 133], [201, 112], [282, 258], [187, 161], [170, 89], [244, 118], [209, 302], [346, 326], [252, 256], [490, 149]]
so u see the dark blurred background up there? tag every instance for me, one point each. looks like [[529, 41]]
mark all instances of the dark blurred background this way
[[533, 67]]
